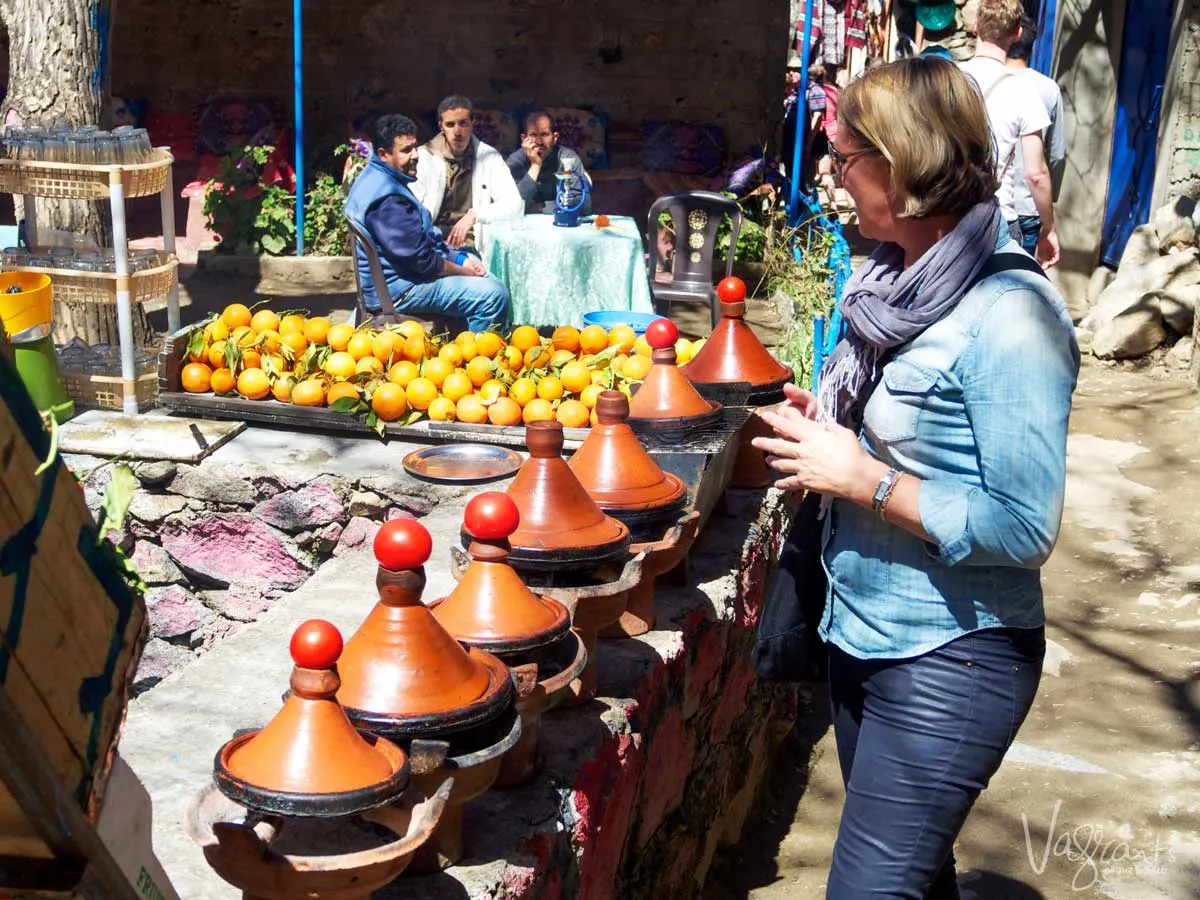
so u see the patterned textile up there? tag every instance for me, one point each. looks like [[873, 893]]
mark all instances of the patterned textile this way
[[585, 132], [227, 127], [856, 29], [498, 128], [680, 147]]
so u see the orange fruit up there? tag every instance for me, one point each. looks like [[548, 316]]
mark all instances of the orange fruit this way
[[281, 389], [618, 364], [216, 330], [464, 337], [537, 357], [253, 384], [410, 329], [269, 341], [457, 385], [505, 411], [636, 367], [295, 341], [642, 347], [601, 221], [340, 364], [420, 393], [593, 339], [386, 345], [222, 381], [479, 370], [251, 359], [414, 348], [443, 409], [470, 409], [216, 354], [549, 388], [575, 376], [235, 315], [622, 336], [436, 370], [310, 392], [451, 353], [403, 372], [488, 343], [469, 350], [566, 337], [339, 336], [525, 338], [361, 345], [264, 320], [341, 390], [368, 364], [316, 330], [683, 351], [523, 390], [196, 378], [292, 323], [492, 390], [244, 336], [589, 394], [572, 414], [511, 357], [560, 358], [594, 418], [537, 410], [390, 401]]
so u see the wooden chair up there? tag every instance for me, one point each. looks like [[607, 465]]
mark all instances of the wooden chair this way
[[696, 216]]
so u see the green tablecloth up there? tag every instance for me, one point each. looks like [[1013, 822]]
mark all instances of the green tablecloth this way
[[555, 275]]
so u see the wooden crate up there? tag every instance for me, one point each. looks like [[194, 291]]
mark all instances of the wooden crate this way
[[71, 632]]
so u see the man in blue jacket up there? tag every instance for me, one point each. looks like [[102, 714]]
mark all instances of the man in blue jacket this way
[[423, 274]]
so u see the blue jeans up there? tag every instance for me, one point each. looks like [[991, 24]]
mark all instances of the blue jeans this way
[[1030, 227], [482, 300], [917, 740]]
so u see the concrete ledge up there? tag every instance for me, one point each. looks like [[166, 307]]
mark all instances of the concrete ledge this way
[[283, 274], [638, 789]]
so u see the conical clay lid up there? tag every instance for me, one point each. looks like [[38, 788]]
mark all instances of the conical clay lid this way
[[400, 663], [557, 515], [733, 352], [666, 393], [310, 747], [615, 468], [491, 607]]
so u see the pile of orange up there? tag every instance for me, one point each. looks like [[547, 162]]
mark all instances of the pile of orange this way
[[401, 373]]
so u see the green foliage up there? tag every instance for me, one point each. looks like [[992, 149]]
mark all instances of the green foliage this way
[[808, 282]]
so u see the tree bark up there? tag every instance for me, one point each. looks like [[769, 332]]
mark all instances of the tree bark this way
[[58, 71]]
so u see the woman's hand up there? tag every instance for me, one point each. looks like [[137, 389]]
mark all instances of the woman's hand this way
[[823, 457], [805, 401]]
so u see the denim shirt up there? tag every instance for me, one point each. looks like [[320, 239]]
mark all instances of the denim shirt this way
[[976, 406]]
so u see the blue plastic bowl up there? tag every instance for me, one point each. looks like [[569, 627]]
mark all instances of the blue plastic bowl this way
[[609, 319]]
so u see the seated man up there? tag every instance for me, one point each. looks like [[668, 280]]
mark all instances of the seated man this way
[[540, 158], [462, 181], [423, 274]]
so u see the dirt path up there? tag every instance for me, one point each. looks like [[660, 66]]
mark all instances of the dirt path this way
[[1100, 797]]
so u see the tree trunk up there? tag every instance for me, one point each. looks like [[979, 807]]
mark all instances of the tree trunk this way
[[58, 71]]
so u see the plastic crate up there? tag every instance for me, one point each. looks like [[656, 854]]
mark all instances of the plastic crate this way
[[74, 285], [106, 392], [79, 182]]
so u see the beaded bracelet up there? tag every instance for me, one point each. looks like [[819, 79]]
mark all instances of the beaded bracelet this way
[[888, 496]]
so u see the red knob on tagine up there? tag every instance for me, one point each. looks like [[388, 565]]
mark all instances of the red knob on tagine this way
[[662, 333], [491, 516], [316, 644], [731, 290], [402, 544]]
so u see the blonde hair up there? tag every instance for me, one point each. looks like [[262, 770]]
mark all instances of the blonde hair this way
[[928, 120], [998, 20]]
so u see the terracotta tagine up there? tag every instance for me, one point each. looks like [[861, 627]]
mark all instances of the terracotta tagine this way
[[619, 474], [560, 525], [309, 760], [666, 399], [660, 557], [405, 677], [492, 608], [734, 368]]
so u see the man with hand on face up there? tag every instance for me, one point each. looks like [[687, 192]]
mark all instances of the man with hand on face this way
[[540, 158], [424, 274], [462, 181]]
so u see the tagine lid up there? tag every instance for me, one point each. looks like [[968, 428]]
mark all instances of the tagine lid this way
[[557, 514], [666, 392], [309, 759], [491, 606], [733, 352], [615, 468], [402, 672]]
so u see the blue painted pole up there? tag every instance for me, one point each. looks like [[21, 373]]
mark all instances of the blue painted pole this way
[[801, 115], [1043, 44], [298, 77]]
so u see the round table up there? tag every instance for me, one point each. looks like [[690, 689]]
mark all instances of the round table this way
[[556, 274]]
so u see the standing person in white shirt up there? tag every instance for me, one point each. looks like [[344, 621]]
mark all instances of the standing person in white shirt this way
[[1054, 138], [1016, 117]]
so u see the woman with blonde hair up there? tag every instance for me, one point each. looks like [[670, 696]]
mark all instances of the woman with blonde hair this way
[[937, 441]]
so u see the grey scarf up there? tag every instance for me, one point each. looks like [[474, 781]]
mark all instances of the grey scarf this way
[[885, 305]]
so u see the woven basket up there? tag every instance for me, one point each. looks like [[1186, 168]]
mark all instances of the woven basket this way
[[105, 391], [78, 182], [73, 285]]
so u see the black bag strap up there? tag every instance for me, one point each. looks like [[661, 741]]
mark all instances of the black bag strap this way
[[1007, 262]]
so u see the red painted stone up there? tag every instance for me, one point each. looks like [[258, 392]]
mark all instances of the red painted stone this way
[[733, 701], [668, 764]]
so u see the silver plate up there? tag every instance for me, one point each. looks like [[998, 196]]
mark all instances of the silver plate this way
[[462, 463]]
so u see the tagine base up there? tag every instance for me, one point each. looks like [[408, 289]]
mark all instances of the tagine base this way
[[750, 469], [662, 556]]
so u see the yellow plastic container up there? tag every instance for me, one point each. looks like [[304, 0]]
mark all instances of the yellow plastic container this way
[[28, 309]]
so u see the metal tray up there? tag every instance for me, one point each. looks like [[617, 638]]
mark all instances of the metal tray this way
[[462, 463]]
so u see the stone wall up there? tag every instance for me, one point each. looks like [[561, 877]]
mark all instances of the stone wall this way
[[1177, 169], [693, 60]]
